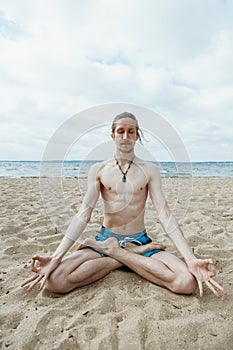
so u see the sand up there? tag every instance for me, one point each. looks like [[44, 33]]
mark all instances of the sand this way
[[122, 311]]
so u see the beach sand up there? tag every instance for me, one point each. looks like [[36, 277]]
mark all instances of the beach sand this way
[[122, 311]]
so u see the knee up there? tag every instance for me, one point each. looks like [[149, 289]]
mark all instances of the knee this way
[[55, 286], [184, 283], [57, 283]]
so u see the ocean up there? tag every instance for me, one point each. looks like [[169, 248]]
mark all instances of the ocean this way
[[79, 169]]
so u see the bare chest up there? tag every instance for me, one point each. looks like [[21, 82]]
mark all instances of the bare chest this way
[[114, 182]]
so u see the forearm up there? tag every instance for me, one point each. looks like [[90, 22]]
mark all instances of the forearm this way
[[65, 244], [181, 244], [76, 227], [175, 233]]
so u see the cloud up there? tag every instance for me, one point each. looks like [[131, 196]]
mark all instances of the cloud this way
[[9, 29], [58, 58]]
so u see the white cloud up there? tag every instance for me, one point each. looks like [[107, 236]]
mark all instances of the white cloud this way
[[58, 58]]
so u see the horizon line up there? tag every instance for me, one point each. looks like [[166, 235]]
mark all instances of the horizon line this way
[[101, 160]]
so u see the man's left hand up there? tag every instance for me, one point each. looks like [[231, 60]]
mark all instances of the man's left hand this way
[[204, 270]]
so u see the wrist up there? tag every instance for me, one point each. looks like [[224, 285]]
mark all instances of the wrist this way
[[190, 258], [57, 256], [190, 261]]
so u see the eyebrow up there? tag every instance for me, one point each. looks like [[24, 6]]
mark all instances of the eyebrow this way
[[122, 128]]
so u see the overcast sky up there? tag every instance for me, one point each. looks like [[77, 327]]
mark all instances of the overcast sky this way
[[59, 58]]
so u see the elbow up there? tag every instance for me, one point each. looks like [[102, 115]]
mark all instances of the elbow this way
[[84, 216], [168, 222], [87, 218], [164, 215]]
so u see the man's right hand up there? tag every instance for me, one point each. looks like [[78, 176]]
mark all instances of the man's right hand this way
[[47, 264]]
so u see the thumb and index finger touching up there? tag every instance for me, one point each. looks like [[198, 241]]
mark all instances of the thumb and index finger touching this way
[[210, 283]]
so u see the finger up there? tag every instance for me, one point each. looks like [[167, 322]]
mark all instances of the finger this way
[[33, 267], [160, 246], [218, 286], [39, 278], [212, 270], [81, 246], [43, 282], [212, 289], [29, 280], [200, 288], [36, 257]]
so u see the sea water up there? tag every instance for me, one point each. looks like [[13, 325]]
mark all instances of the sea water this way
[[79, 169]]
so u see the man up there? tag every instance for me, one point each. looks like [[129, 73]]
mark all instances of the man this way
[[124, 183]]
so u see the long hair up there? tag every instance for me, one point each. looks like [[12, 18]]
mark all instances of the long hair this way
[[128, 115]]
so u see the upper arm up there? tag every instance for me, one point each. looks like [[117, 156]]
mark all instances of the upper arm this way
[[93, 187], [91, 195], [155, 189], [165, 215]]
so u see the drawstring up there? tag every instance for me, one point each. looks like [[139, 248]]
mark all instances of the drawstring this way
[[123, 242]]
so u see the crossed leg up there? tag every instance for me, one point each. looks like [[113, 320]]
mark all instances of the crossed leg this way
[[85, 266], [163, 268], [79, 269]]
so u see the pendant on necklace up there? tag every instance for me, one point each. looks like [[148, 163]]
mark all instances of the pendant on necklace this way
[[124, 173]]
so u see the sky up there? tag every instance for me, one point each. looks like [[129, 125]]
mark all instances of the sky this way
[[59, 58]]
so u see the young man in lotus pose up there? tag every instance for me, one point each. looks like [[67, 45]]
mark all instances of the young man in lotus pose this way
[[124, 183]]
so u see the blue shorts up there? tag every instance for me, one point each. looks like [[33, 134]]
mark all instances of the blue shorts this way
[[139, 238]]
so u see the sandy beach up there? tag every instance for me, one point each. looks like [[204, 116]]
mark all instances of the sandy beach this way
[[122, 311]]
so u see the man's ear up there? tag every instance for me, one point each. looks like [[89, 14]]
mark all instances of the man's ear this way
[[113, 136]]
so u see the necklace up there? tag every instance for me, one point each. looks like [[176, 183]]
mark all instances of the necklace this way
[[124, 173]]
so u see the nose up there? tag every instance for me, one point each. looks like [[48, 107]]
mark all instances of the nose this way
[[125, 135]]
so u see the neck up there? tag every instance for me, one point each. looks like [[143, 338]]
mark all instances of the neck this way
[[125, 171], [124, 158]]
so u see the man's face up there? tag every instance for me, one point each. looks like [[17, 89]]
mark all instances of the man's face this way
[[125, 134]]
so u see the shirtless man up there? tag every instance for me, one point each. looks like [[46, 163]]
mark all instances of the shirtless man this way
[[124, 183]]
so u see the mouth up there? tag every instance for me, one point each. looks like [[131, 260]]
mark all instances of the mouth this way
[[125, 143]]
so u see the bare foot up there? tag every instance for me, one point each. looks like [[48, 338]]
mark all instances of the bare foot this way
[[103, 246], [142, 249], [100, 246]]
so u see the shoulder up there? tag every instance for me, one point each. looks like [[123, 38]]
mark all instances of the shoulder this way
[[96, 169], [151, 169]]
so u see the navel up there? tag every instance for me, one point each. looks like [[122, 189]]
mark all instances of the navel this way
[[109, 188]]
